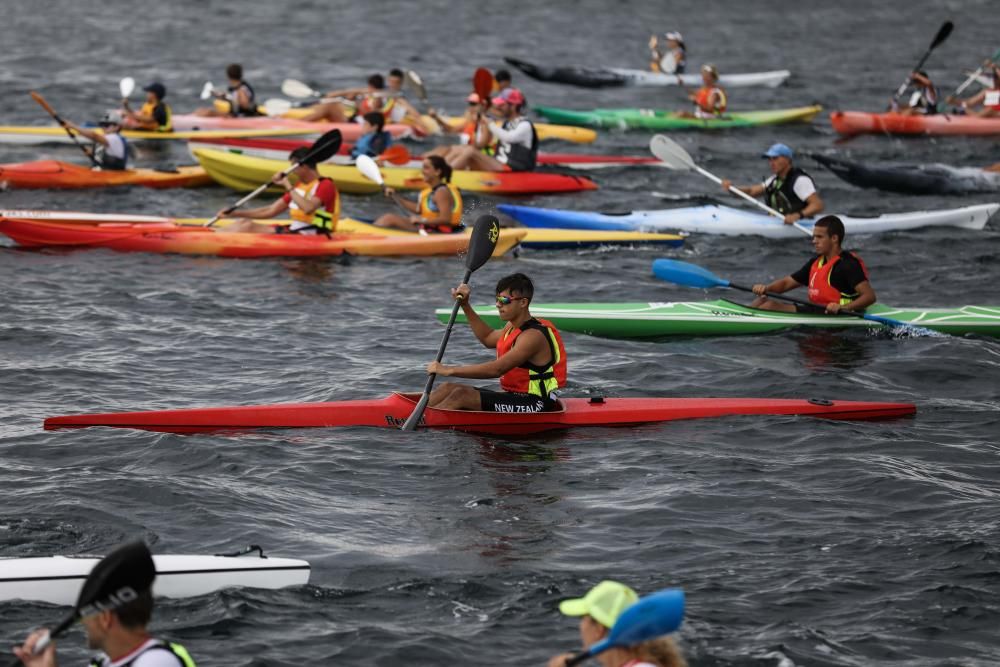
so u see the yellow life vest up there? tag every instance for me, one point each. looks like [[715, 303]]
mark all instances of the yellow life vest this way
[[428, 208], [322, 217], [147, 110]]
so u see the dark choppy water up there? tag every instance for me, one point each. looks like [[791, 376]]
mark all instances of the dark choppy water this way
[[798, 542]]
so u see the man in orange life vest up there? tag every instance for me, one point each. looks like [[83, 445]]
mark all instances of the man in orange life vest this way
[[531, 358], [836, 278]]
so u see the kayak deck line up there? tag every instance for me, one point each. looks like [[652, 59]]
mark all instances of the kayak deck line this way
[[392, 411]]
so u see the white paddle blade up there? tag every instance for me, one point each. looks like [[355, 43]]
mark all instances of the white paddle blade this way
[[297, 89], [126, 86], [369, 169], [206, 90], [670, 153], [277, 106]]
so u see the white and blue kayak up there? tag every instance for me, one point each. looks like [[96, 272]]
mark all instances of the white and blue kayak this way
[[58, 579], [737, 222]]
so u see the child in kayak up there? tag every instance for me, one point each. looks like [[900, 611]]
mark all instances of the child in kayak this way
[[836, 278], [375, 139], [672, 58], [531, 357], [438, 207], [155, 114], [239, 98], [598, 610], [110, 149]]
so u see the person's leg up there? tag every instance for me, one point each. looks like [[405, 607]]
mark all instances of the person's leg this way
[[763, 303], [395, 221], [208, 112], [245, 226], [458, 397], [330, 111], [467, 157]]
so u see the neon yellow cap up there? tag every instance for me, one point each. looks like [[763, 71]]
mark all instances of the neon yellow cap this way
[[604, 602]]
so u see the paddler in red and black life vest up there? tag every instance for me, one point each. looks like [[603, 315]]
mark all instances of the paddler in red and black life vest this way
[[438, 207], [789, 190], [239, 98], [155, 114], [517, 141], [836, 278], [313, 203], [710, 100], [531, 357]]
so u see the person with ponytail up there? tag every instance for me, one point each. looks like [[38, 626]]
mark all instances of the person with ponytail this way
[[438, 207]]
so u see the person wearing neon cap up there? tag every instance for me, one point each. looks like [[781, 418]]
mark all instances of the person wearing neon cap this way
[[517, 141], [598, 610], [789, 190]]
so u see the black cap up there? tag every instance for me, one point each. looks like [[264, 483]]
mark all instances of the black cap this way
[[157, 88], [118, 578]]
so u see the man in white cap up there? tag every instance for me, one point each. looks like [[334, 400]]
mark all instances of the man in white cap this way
[[110, 149], [673, 56], [789, 190]]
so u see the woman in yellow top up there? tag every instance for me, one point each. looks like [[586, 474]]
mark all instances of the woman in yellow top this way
[[438, 207]]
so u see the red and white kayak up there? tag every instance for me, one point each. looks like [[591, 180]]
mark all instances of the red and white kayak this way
[[278, 149], [58, 579], [859, 122], [392, 411], [350, 131]]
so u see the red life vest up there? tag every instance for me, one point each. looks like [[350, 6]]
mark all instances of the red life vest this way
[[531, 379], [821, 292]]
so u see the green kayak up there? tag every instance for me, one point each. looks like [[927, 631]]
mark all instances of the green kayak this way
[[722, 318], [651, 119]]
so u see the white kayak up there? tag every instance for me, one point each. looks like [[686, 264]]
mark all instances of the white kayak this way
[[604, 77], [58, 579], [737, 222]]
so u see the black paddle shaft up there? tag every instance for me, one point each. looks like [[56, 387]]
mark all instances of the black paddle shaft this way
[[942, 34], [792, 299]]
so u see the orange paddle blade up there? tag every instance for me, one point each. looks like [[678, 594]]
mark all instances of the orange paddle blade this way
[[482, 83], [396, 154], [45, 105]]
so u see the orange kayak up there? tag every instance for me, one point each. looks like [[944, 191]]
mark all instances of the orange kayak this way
[[860, 122], [63, 175], [131, 233]]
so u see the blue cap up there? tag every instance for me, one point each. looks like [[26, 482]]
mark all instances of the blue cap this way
[[779, 150]]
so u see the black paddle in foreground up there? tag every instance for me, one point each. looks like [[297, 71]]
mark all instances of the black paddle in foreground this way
[[115, 581], [323, 149], [650, 617], [942, 34], [481, 244], [692, 275], [52, 112]]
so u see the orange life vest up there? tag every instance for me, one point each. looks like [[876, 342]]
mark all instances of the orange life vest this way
[[821, 292], [704, 97], [428, 208], [531, 379], [325, 216], [371, 102]]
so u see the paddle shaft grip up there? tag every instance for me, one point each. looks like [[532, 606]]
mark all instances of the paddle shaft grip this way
[[43, 643], [842, 311], [577, 659], [418, 411]]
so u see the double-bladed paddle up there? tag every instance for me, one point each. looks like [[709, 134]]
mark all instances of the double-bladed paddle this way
[[324, 148], [298, 89], [370, 170], [975, 75], [647, 618], [417, 84], [52, 112], [692, 275], [126, 86], [674, 157], [942, 34], [207, 90], [115, 581], [481, 245]]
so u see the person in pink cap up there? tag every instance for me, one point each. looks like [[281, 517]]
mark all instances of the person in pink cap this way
[[516, 140], [471, 128]]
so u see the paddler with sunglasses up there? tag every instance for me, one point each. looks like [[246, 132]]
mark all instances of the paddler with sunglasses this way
[[531, 357]]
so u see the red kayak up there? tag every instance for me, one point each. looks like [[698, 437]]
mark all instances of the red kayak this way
[[278, 149], [63, 175], [392, 411], [860, 122]]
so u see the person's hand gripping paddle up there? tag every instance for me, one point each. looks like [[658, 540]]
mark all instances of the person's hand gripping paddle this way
[[52, 112], [481, 245]]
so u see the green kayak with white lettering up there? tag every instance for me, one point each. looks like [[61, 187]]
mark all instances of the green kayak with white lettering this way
[[725, 318], [654, 119]]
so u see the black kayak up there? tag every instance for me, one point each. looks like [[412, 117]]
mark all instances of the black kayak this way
[[913, 179]]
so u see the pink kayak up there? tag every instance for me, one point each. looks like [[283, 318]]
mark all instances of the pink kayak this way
[[350, 131]]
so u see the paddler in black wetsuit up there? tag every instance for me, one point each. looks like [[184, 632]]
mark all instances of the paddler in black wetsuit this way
[[836, 278], [789, 190], [531, 358]]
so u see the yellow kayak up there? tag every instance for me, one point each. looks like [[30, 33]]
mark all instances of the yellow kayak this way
[[245, 173], [29, 134], [544, 239]]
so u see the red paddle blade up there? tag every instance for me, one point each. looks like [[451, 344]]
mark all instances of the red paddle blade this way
[[482, 83], [397, 154]]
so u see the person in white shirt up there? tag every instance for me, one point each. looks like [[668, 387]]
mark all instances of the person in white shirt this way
[[516, 140]]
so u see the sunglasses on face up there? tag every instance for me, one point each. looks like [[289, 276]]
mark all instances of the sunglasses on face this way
[[507, 300]]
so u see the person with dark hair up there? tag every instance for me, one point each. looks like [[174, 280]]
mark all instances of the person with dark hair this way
[[516, 140], [789, 190], [374, 139], [531, 357], [923, 101], [239, 98], [472, 128], [836, 278], [598, 610], [438, 207], [313, 203], [353, 103], [110, 149], [115, 607], [155, 114]]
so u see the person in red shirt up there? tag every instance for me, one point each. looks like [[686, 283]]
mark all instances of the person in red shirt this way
[[836, 278], [531, 358]]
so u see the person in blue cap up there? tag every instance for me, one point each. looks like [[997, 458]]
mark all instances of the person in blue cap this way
[[789, 190], [155, 113]]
